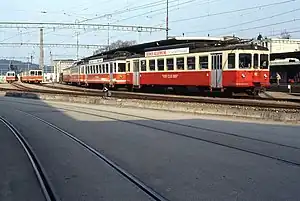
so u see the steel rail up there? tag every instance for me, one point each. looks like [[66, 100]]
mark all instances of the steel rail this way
[[39, 171], [172, 98], [149, 191]]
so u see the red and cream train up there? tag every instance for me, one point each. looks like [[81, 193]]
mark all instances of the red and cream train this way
[[31, 76], [11, 76], [233, 68]]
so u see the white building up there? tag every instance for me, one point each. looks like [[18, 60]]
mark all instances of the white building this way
[[278, 45], [59, 65]]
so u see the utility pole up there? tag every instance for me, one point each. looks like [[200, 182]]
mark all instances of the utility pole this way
[[77, 41], [28, 64], [167, 21], [42, 52], [108, 31]]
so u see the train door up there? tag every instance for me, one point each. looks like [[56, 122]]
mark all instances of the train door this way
[[111, 72], [136, 73], [216, 71], [128, 70]]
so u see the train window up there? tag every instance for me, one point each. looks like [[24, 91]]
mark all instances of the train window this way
[[39, 72], [264, 61], [170, 64], [121, 67], [128, 66], [106, 68], [143, 65], [152, 65], [191, 63], [203, 62], [255, 60], [31, 72], [245, 61], [180, 63], [160, 64], [231, 61]]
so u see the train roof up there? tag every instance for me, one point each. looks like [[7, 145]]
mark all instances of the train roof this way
[[194, 43]]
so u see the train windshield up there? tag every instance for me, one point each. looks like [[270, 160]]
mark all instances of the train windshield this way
[[264, 61], [10, 74], [245, 61]]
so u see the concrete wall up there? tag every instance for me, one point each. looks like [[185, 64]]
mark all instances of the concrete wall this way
[[59, 65]]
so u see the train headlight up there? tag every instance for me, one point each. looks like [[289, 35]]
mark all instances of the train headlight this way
[[243, 75], [265, 76]]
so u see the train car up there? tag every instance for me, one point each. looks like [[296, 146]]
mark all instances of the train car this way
[[32, 76], [230, 68], [11, 77], [233, 68]]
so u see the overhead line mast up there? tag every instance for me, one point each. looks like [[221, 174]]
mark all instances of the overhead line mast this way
[[167, 21]]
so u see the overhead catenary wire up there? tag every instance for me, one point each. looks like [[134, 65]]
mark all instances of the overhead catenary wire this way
[[263, 26], [233, 11], [247, 22]]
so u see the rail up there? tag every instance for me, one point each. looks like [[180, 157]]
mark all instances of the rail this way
[[39, 171], [263, 103]]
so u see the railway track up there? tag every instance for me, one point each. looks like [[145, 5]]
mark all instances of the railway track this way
[[263, 103], [233, 141], [38, 169], [134, 180]]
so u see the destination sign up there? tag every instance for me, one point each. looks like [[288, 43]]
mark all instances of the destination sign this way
[[167, 52]]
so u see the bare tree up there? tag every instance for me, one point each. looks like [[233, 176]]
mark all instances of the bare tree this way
[[117, 44], [285, 35]]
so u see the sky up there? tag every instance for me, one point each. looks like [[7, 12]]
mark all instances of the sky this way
[[245, 19]]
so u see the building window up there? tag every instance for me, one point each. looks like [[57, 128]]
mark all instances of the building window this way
[[143, 65], [160, 64], [121, 67], [170, 64], [255, 61], [180, 63], [152, 65], [264, 61], [245, 61], [191, 63], [203, 62], [231, 61]]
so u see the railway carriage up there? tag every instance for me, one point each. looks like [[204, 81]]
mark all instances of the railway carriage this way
[[234, 68], [32, 76], [240, 67], [11, 76]]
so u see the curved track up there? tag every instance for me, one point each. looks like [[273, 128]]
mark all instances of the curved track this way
[[43, 180], [156, 196], [238, 141]]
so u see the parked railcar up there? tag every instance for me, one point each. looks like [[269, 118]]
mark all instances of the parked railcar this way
[[11, 76], [232, 68], [32, 76]]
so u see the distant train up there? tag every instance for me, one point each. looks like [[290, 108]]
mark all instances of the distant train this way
[[32, 76], [231, 68], [11, 77]]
